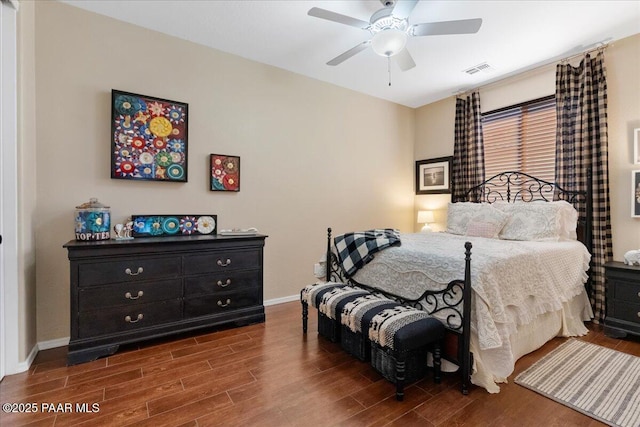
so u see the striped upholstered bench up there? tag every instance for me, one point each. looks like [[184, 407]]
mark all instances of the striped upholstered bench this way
[[330, 309], [400, 339], [311, 295], [354, 323]]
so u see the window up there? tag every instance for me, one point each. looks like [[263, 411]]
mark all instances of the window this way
[[521, 138]]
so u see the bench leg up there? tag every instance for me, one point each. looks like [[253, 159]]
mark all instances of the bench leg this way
[[437, 363], [305, 316], [400, 376]]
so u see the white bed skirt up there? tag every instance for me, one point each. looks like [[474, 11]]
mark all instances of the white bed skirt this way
[[496, 365]]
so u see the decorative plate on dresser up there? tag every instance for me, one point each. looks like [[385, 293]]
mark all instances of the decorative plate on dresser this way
[[124, 291], [623, 300]]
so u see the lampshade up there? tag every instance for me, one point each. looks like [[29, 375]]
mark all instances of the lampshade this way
[[425, 217], [389, 42]]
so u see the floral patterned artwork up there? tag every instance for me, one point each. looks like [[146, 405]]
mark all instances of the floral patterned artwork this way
[[225, 173], [148, 138], [173, 225]]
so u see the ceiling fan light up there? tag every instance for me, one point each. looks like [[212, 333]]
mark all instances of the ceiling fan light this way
[[389, 42]]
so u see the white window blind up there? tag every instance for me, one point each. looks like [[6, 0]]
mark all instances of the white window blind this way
[[521, 138]]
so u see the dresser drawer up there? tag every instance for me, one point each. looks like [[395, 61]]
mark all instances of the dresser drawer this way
[[221, 282], [128, 294], [124, 319], [627, 291], [217, 261], [624, 311], [222, 302], [101, 273]]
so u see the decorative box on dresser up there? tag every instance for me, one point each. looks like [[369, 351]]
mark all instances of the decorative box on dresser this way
[[124, 291], [623, 300]]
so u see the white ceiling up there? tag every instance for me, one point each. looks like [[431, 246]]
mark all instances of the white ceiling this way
[[515, 36]]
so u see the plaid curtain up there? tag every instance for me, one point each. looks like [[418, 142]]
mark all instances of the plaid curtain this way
[[468, 149], [581, 143]]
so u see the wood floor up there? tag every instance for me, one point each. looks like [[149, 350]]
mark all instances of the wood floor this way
[[266, 374]]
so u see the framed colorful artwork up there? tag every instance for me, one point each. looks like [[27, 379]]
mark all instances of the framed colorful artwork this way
[[173, 225], [225, 172], [433, 176], [148, 138]]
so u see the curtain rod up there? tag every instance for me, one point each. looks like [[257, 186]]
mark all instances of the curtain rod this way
[[600, 47]]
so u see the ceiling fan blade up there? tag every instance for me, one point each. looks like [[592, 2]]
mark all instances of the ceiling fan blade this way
[[348, 54], [404, 60], [337, 17], [463, 26], [403, 8]]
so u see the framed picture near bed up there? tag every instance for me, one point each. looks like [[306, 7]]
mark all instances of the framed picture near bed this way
[[635, 194], [433, 176], [636, 146]]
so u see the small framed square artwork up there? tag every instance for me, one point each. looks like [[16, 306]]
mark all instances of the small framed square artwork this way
[[225, 172]]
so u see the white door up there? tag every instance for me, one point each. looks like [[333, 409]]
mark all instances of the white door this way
[[9, 338]]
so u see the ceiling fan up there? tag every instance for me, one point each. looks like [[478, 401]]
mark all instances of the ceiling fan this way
[[390, 30]]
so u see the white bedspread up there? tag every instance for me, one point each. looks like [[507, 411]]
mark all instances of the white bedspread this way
[[513, 281]]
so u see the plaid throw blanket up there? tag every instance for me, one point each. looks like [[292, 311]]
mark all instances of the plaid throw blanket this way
[[357, 249]]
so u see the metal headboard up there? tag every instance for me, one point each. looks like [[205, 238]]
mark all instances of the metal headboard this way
[[514, 186]]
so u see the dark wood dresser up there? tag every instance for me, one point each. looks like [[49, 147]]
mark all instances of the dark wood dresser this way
[[123, 291], [623, 300]]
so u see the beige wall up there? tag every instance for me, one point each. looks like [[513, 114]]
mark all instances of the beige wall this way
[[435, 131], [313, 155], [27, 182]]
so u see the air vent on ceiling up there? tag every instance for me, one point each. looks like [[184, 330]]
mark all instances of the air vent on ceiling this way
[[478, 68]]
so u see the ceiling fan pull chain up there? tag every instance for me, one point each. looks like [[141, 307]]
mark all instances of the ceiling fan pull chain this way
[[389, 68]]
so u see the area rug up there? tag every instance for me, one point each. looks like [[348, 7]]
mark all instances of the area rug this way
[[599, 382]]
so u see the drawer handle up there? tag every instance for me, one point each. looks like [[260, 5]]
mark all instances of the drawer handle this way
[[222, 304], [224, 263], [225, 284], [129, 296], [131, 273], [128, 318]]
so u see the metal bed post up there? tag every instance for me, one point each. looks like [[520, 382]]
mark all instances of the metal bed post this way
[[465, 356], [328, 256]]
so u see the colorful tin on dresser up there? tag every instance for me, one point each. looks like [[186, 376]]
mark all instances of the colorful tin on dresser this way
[[93, 221]]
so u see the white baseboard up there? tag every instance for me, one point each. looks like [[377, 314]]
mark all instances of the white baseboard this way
[[59, 342], [282, 300], [42, 345], [26, 364]]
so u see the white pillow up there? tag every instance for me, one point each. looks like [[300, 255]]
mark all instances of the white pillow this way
[[539, 221], [464, 218]]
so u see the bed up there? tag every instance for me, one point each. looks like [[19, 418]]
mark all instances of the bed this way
[[519, 254]]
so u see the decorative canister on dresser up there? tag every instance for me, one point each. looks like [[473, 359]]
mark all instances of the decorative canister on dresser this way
[[93, 221], [623, 300], [124, 291]]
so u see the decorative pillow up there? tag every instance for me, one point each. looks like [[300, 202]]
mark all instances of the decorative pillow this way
[[568, 220], [482, 229], [461, 215], [539, 221]]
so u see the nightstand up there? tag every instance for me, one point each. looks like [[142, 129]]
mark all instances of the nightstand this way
[[623, 300]]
